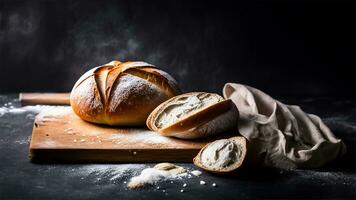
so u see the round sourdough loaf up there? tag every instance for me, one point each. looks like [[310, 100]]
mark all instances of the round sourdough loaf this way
[[194, 115], [121, 93]]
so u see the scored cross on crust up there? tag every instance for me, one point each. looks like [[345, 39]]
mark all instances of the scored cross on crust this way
[[104, 91]]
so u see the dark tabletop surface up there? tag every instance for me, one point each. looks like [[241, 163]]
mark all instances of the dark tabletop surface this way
[[21, 179]]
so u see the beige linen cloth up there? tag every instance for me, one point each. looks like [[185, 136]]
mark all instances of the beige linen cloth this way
[[287, 136]]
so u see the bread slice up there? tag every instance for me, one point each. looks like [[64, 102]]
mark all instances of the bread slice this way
[[193, 115], [222, 156]]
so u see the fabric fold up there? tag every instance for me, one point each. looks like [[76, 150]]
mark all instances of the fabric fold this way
[[287, 136]]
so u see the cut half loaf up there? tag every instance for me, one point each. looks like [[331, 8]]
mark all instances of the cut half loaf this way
[[193, 115], [222, 156]]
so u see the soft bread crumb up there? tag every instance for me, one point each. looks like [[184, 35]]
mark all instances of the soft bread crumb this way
[[185, 106], [220, 154], [194, 115]]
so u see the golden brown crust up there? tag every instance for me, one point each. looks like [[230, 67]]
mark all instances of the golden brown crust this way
[[121, 93], [238, 140]]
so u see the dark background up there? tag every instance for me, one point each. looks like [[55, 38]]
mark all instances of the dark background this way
[[287, 49]]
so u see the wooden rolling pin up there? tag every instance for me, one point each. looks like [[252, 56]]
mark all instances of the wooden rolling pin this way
[[44, 98]]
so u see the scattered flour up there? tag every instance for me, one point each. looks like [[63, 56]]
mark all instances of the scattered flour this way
[[32, 109], [196, 172], [23, 140], [141, 174], [162, 171], [142, 136], [52, 112], [108, 172], [325, 177], [102, 172], [149, 176]]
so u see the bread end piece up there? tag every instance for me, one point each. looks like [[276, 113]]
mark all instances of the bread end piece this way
[[222, 156]]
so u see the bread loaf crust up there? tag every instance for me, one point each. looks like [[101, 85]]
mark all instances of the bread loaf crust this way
[[214, 119], [121, 93]]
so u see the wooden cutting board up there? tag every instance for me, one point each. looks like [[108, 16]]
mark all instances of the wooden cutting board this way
[[60, 136]]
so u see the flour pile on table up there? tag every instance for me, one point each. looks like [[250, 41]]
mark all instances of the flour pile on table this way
[[162, 171], [141, 174]]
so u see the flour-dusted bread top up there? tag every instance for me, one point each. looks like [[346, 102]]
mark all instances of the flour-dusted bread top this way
[[222, 156], [193, 115], [121, 93]]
